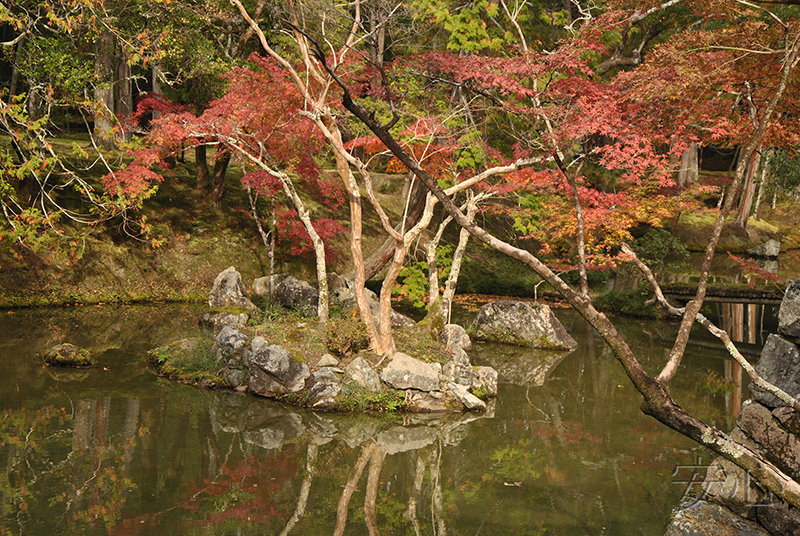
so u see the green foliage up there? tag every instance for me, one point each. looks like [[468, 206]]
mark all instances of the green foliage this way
[[346, 336], [354, 397], [52, 61], [503, 276], [784, 171], [659, 245], [466, 25], [412, 284], [190, 361], [628, 302]]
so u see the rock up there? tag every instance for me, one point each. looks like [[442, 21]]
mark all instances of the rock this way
[[405, 372], [454, 335], [486, 380], [220, 320], [325, 387], [731, 486], [770, 248], [259, 289], [780, 365], [706, 519], [234, 377], [229, 291], [273, 372], [339, 287], [327, 360], [431, 403], [360, 371], [789, 313], [521, 323], [297, 295], [779, 518], [68, 355], [402, 439], [781, 446], [470, 401], [230, 343], [459, 372]]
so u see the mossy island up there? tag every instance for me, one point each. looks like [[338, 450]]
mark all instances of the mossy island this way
[[285, 355]]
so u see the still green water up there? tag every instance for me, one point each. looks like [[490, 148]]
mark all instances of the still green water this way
[[564, 450]]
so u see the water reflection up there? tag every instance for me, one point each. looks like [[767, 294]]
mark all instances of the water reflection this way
[[116, 450]]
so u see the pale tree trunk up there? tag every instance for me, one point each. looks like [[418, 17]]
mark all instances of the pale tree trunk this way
[[458, 257], [433, 269], [371, 496], [688, 172], [762, 184], [104, 90], [305, 218], [749, 190]]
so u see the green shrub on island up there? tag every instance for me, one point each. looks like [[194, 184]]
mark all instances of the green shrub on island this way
[[188, 360]]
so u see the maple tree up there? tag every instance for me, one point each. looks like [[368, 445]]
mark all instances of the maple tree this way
[[553, 103]]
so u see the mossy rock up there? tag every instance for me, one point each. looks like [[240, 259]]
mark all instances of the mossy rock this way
[[69, 355]]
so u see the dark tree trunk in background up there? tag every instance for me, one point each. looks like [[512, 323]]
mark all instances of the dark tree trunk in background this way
[[203, 179], [104, 90]]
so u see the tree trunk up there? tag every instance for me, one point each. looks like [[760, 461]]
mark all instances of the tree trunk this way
[[762, 184], [689, 170], [203, 179], [458, 257], [124, 97], [748, 192], [375, 263], [221, 160], [104, 90]]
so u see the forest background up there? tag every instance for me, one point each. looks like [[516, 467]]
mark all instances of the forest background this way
[[567, 136]]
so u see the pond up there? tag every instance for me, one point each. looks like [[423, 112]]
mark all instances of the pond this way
[[564, 450]]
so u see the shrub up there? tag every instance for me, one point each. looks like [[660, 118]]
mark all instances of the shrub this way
[[346, 336]]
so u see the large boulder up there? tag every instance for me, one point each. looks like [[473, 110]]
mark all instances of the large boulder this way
[[453, 336], [779, 364], [789, 313], [731, 486], [361, 372], [218, 321], [405, 372], [780, 445], [229, 291], [770, 248], [521, 323], [324, 388], [259, 289], [707, 519], [297, 295], [273, 372]]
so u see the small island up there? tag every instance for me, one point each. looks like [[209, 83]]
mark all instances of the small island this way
[[286, 356]]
